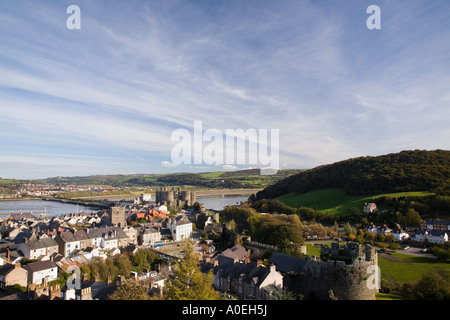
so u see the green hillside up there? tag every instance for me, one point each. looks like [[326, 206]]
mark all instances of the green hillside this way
[[405, 171], [336, 201]]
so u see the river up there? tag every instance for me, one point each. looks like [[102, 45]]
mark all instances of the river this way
[[220, 202], [51, 208], [54, 208]]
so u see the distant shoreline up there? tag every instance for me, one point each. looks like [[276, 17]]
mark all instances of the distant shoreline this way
[[226, 192]]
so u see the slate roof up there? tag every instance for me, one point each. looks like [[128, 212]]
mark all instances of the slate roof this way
[[440, 222], [181, 219], [42, 243], [100, 232], [6, 269], [238, 251], [285, 263], [41, 265], [72, 236], [436, 233]]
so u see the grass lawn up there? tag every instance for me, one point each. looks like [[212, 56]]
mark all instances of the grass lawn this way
[[387, 296], [408, 268], [312, 250], [336, 201]]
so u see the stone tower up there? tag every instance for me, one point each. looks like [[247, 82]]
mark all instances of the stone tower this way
[[344, 272], [118, 216]]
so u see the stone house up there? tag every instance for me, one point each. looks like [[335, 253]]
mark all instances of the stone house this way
[[72, 241], [149, 236], [11, 274], [132, 234]]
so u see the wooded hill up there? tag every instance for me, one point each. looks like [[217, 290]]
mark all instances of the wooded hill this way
[[416, 170]]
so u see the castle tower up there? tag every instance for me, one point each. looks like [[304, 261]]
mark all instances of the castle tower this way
[[118, 216], [345, 272]]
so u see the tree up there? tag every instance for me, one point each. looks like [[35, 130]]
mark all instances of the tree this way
[[130, 290], [188, 282], [432, 286]]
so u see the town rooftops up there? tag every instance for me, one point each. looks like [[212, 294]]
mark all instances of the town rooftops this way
[[436, 233], [181, 219], [285, 263], [236, 252], [72, 235], [42, 243], [439, 222], [107, 232], [7, 268]]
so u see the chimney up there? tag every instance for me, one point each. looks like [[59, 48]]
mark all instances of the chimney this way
[[17, 265], [8, 254], [55, 292]]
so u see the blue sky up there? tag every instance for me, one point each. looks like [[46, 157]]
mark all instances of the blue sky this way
[[105, 99]]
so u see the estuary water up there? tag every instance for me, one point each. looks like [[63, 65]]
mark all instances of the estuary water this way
[[54, 208], [220, 202], [37, 207]]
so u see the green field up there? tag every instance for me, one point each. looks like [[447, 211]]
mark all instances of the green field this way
[[336, 201], [408, 268]]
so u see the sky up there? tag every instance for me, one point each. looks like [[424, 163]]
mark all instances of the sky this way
[[107, 98]]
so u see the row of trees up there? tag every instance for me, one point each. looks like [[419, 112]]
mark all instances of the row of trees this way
[[121, 264], [285, 231]]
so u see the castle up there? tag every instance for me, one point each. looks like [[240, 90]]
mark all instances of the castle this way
[[343, 272], [175, 196]]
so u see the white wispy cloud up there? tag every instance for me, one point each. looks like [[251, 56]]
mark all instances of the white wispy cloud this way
[[135, 72]]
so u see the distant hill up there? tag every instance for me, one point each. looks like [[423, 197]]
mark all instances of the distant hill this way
[[405, 171], [251, 178]]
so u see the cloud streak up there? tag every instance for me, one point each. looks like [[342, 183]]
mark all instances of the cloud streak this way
[[137, 71]]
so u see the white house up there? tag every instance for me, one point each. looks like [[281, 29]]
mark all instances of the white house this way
[[108, 237], [420, 236], [181, 228], [42, 271], [400, 234], [435, 236], [370, 207], [104, 238], [38, 248]]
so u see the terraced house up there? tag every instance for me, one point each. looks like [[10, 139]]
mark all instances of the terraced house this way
[[70, 241]]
